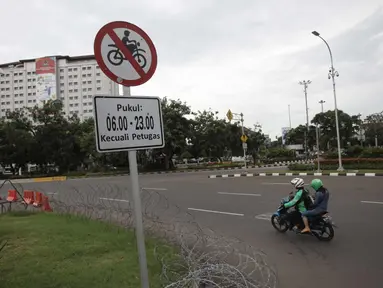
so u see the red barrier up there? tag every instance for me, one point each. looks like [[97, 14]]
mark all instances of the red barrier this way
[[29, 196], [46, 206], [12, 196], [38, 199]]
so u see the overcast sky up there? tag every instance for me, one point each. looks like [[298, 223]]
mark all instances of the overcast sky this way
[[246, 55]]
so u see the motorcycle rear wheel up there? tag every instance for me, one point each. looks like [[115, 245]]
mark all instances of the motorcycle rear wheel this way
[[330, 235], [283, 225]]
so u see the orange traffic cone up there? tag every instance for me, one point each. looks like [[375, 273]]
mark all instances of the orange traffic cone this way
[[12, 196], [46, 206], [29, 196], [38, 199]]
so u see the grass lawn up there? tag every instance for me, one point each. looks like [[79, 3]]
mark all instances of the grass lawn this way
[[50, 250]]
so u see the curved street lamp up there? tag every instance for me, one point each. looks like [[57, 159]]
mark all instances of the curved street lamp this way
[[331, 75]]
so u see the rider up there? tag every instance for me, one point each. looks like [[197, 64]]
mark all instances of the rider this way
[[320, 204], [298, 200], [130, 44]]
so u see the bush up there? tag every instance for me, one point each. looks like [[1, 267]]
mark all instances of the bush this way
[[280, 153], [348, 163], [375, 152]]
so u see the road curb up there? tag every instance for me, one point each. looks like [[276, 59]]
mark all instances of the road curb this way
[[203, 170], [295, 174]]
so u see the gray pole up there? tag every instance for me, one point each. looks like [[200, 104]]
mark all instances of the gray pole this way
[[289, 116], [317, 136], [243, 133], [331, 75], [305, 85], [138, 211]]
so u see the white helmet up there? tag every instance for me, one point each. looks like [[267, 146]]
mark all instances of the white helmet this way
[[298, 183]]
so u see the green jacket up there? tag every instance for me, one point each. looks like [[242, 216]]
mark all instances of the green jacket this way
[[293, 202]]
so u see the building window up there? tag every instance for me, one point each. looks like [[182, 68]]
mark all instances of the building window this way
[[83, 89], [61, 84], [89, 82], [70, 69], [70, 76], [6, 89], [76, 98], [70, 98], [75, 83], [34, 93], [83, 75], [83, 68], [61, 70], [62, 91], [8, 103], [15, 81], [70, 105], [97, 67], [98, 81], [83, 82], [76, 105], [74, 69], [75, 90], [71, 90], [21, 102], [16, 88], [21, 95], [61, 77], [70, 83], [98, 88], [29, 101], [34, 87], [89, 75], [75, 76], [89, 89], [16, 102]]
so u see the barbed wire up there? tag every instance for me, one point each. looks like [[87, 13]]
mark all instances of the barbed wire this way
[[207, 259]]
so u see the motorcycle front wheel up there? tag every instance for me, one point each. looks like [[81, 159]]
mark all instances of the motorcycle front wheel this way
[[325, 232], [279, 224]]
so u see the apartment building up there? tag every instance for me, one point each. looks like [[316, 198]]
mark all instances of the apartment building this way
[[73, 80]]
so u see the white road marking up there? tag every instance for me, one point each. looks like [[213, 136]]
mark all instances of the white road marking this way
[[112, 199], [266, 216], [372, 202], [216, 212], [157, 189], [239, 194]]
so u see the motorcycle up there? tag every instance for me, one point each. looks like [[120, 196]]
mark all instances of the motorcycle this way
[[282, 220]]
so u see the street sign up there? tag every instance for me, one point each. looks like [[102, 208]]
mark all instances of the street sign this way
[[125, 53], [244, 145], [229, 115], [128, 123], [244, 138]]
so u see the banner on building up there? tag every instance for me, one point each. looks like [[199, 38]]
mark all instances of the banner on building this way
[[285, 130], [46, 84]]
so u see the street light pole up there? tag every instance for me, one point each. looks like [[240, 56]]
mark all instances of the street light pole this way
[[305, 85], [289, 116], [331, 75], [321, 102]]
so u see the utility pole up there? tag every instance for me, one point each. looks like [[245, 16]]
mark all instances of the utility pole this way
[[289, 116], [305, 86]]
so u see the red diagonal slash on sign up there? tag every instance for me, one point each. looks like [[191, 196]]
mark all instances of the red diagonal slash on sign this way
[[126, 53]]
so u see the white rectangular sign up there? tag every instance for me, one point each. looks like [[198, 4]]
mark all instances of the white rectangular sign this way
[[128, 123]]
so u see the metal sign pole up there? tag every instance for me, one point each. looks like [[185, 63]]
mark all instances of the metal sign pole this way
[[133, 170]]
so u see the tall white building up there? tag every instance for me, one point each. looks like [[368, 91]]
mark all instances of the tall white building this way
[[73, 80]]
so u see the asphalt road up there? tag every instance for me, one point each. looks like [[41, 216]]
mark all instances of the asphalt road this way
[[241, 207]]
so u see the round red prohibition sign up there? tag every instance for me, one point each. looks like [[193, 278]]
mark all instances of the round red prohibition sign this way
[[125, 53]]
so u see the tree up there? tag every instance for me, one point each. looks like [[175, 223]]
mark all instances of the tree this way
[[373, 126], [348, 127], [297, 136], [177, 129]]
